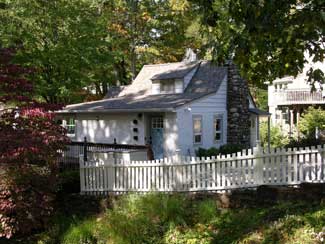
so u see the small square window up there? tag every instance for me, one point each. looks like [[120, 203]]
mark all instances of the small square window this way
[[197, 138], [217, 136]]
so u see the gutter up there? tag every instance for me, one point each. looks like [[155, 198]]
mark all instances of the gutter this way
[[116, 110]]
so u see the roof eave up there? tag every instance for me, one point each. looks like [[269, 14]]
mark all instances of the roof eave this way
[[259, 112], [195, 99], [116, 110]]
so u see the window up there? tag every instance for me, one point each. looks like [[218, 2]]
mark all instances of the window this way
[[167, 86], [218, 129], [70, 125], [252, 122], [197, 129], [157, 123], [286, 115], [277, 114]]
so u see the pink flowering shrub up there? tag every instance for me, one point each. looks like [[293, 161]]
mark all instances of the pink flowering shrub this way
[[29, 144]]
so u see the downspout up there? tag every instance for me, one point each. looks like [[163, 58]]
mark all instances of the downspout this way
[[268, 133]]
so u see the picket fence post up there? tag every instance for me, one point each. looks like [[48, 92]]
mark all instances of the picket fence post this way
[[82, 173], [258, 166], [178, 176]]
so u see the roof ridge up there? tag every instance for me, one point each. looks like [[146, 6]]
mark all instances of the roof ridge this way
[[181, 62], [197, 67], [90, 102], [163, 64]]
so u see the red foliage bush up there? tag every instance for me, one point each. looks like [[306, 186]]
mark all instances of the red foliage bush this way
[[26, 200], [29, 144]]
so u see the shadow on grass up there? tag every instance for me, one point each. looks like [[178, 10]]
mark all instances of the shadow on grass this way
[[274, 224], [72, 210]]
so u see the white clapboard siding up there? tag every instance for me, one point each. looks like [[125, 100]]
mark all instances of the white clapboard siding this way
[[249, 168]]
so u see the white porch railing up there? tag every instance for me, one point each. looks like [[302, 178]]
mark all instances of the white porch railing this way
[[246, 169], [288, 97]]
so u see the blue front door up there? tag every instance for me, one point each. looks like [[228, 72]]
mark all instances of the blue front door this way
[[157, 135]]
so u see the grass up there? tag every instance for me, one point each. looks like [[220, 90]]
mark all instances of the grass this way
[[157, 218]]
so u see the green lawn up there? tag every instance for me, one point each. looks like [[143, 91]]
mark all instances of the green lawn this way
[[177, 219]]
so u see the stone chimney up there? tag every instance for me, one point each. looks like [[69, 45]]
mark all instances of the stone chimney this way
[[237, 105]]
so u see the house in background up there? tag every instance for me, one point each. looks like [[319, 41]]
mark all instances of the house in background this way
[[173, 106], [290, 96]]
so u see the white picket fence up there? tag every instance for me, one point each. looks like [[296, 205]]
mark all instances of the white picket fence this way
[[250, 168]]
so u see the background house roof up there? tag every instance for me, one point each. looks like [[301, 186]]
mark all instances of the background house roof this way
[[137, 96]]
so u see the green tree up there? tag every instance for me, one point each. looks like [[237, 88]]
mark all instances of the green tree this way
[[310, 119], [267, 39], [277, 139], [64, 40], [260, 97], [150, 31], [83, 46]]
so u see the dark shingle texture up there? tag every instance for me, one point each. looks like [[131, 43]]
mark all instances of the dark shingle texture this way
[[176, 73], [207, 78], [259, 112], [162, 101]]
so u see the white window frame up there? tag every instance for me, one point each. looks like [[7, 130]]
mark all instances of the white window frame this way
[[67, 123], [197, 117], [170, 84], [157, 122], [220, 131]]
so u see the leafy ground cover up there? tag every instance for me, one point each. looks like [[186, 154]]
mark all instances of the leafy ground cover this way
[[156, 218]]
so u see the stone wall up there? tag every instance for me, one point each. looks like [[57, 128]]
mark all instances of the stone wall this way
[[266, 195], [262, 196], [237, 106]]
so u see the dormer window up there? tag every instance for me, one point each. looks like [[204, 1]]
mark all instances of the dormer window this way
[[167, 86]]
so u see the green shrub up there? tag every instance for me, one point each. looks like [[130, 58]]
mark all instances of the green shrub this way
[[230, 148], [70, 230], [277, 139], [303, 142], [223, 150], [69, 181], [206, 211], [81, 233], [310, 119], [199, 234], [143, 219]]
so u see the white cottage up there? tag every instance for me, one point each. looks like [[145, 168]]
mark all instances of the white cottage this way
[[174, 106]]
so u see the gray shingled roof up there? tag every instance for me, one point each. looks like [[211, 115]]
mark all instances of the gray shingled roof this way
[[137, 96], [207, 78], [161, 101], [114, 91], [259, 112], [176, 73]]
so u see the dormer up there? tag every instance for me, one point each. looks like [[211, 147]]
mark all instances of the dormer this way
[[173, 81], [168, 86]]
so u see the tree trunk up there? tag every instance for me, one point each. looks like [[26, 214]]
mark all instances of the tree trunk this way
[[134, 8]]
